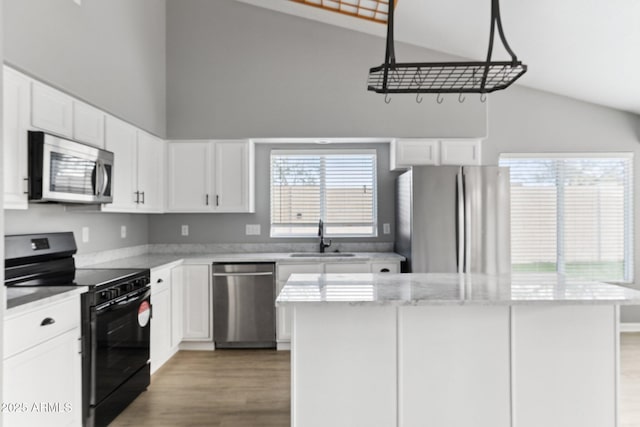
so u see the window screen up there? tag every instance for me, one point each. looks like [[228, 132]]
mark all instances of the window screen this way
[[337, 187], [572, 214]]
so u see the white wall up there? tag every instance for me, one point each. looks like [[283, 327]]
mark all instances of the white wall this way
[[111, 53], [235, 71]]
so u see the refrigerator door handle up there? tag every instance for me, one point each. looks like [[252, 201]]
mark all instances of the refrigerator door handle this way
[[460, 224]]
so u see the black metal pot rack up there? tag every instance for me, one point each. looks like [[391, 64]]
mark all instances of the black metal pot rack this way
[[446, 77]]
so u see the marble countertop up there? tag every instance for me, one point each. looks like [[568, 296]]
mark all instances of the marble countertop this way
[[152, 261], [26, 298], [451, 289]]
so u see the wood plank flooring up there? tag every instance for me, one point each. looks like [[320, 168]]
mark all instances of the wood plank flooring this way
[[251, 388]]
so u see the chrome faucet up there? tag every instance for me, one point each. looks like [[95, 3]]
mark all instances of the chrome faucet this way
[[323, 245]]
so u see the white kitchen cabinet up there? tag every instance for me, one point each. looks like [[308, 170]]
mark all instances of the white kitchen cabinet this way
[[16, 110], [51, 110], [405, 153], [88, 124], [284, 270], [460, 152], [177, 306], [43, 366], [161, 319], [138, 168], [346, 267], [210, 176], [150, 164], [198, 307]]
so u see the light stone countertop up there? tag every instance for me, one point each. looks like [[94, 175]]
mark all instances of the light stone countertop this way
[[450, 289], [152, 261], [27, 298]]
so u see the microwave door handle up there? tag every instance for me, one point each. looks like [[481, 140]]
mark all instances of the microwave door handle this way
[[96, 179], [105, 179]]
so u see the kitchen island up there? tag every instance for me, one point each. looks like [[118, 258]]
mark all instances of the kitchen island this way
[[454, 350]]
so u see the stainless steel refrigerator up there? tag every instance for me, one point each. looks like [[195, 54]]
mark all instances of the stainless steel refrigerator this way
[[454, 219]]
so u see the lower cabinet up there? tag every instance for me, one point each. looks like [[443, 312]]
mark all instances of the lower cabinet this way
[[284, 270], [42, 379], [198, 324], [161, 349]]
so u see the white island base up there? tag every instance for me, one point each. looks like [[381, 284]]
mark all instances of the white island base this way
[[454, 365]]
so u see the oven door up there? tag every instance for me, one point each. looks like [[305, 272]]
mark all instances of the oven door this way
[[120, 342]]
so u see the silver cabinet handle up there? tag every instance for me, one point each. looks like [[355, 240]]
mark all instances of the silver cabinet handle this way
[[257, 273], [47, 321]]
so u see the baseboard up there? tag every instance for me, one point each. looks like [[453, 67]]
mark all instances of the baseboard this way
[[629, 327], [197, 345], [283, 346]]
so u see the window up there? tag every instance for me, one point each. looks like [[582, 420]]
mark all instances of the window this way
[[338, 187], [572, 214]]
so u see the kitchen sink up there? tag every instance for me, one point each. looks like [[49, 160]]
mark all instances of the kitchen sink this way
[[323, 255]]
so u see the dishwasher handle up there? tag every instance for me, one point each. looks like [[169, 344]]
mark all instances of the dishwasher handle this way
[[256, 273]]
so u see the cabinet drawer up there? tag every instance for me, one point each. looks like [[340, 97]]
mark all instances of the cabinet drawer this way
[[346, 267], [385, 267], [160, 280], [27, 330], [284, 271]]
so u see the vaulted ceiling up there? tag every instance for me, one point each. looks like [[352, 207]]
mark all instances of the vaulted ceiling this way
[[588, 50]]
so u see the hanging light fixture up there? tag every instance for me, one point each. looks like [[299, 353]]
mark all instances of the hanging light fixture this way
[[445, 77]]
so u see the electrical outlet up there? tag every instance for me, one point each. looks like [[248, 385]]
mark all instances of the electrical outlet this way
[[123, 231], [78, 2], [85, 234], [252, 229], [386, 228], [184, 230]]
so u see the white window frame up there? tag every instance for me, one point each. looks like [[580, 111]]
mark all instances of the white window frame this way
[[628, 214], [302, 151]]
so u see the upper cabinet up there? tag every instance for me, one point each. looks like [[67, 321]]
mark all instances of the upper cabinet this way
[[88, 124], [51, 110], [210, 176], [138, 168], [16, 109], [405, 153]]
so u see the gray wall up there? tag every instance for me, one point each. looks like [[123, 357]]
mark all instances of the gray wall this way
[[235, 71], [104, 228], [111, 53], [230, 228]]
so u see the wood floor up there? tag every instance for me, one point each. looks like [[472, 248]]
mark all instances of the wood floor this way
[[251, 388]]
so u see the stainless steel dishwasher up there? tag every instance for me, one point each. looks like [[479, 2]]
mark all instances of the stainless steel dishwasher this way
[[244, 305]]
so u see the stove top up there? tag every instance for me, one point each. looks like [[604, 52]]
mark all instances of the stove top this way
[[105, 277]]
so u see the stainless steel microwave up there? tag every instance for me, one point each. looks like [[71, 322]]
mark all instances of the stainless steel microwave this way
[[61, 170]]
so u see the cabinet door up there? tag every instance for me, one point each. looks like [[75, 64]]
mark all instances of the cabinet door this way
[[88, 124], [150, 172], [46, 381], [16, 123], [177, 306], [197, 303], [385, 267], [188, 177], [51, 110], [405, 153], [233, 177], [283, 320], [121, 139], [160, 327], [460, 152]]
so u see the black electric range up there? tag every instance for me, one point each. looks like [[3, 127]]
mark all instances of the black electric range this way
[[115, 314]]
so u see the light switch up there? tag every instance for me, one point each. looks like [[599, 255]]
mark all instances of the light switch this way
[[123, 231], [184, 230], [386, 228], [252, 229], [85, 234]]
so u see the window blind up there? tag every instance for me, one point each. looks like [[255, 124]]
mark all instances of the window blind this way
[[309, 185], [572, 215]]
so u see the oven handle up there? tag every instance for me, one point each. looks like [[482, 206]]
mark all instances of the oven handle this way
[[125, 302]]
